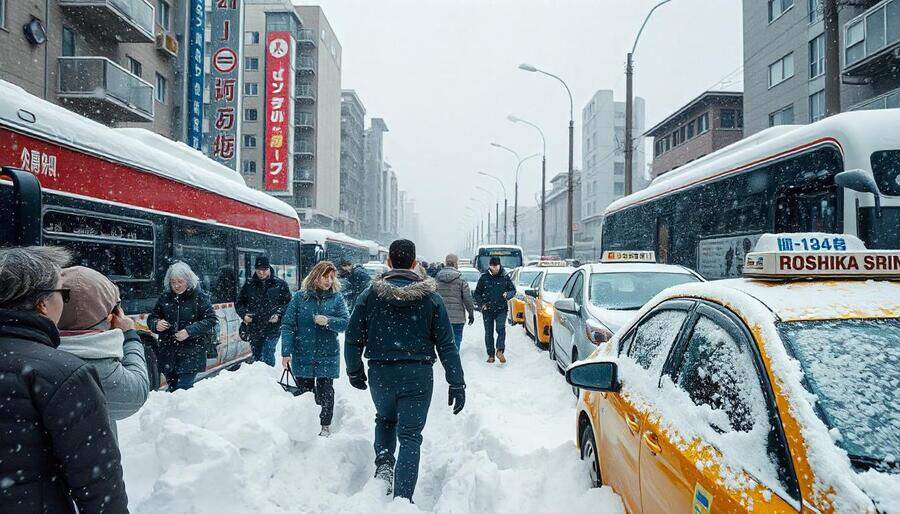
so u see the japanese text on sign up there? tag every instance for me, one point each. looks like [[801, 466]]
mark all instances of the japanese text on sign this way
[[278, 111]]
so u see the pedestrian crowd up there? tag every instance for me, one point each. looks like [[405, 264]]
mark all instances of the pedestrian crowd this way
[[72, 363]]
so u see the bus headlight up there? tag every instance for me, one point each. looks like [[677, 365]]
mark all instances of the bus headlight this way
[[596, 332]]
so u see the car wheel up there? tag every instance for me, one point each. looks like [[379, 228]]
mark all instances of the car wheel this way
[[589, 455], [576, 391]]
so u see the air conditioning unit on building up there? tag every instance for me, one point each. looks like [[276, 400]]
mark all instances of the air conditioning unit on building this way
[[166, 42]]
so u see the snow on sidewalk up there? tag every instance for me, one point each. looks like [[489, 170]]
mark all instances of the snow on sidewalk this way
[[238, 443]]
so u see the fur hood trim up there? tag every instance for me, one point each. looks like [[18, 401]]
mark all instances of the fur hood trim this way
[[415, 290]]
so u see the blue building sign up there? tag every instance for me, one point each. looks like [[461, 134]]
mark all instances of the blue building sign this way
[[195, 74]]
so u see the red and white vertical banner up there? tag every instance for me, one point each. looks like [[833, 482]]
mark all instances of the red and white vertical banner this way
[[278, 167]]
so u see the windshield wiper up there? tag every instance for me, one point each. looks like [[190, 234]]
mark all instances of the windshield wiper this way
[[627, 308], [866, 462]]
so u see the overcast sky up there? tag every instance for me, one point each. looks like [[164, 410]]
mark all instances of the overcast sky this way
[[443, 74]]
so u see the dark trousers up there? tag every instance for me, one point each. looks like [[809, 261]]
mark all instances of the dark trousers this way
[[402, 395], [323, 389], [457, 334], [180, 381], [263, 348], [494, 320]]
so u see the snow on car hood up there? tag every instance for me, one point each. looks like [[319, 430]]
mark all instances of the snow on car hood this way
[[612, 319]]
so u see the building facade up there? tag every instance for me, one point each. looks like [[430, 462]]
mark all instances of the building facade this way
[[711, 121], [603, 160], [558, 213], [784, 59], [353, 129], [373, 195], [119, 65]]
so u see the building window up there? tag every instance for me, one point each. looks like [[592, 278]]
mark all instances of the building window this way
[[730, 118], [68, 42], [817, 56], [854, 42], [703, 123], [249, 141], [162, 14], [160, 90], [618, 188], [781, 70], [619, 169], [135, 66], [657, 147], [778, 7], [690, 129], [682, 134], [250, 115], [251, 89], [783, 116], [3, 13], [248, 167], [251, 63], [251, 38], [815, 10], [816, 106]]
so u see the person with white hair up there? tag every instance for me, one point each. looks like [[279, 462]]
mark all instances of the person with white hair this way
[[183, 317]]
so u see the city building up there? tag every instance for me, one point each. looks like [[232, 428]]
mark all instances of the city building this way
[[118, 63], [353, 129], [784, 59], [603, 161], [711, 121], [557, 213], [373, 194]]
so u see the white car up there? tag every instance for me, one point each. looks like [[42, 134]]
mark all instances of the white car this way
[[470, 275], [375, 268]]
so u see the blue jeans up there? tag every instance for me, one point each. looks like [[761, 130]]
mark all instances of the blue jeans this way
[[264, 349], [494, 320], [180, 381], [457, 334], [402, 395]]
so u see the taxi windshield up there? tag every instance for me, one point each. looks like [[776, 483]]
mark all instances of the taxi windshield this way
[[630, 291], [853, 368], [526, 277], [554, 282]]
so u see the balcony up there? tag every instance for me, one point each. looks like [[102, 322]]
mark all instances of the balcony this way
[[304, 120], [306, 64], [101, 89], [304, 148], [307, 37], [872, 40], [305, 93], [128, 21]]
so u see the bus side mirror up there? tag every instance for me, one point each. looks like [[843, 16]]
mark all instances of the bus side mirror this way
[[25, 207], [862, 182]]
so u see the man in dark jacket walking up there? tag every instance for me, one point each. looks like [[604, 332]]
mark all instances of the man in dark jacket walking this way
[[399, 322], [57, 448], [261, 305], [491, 294], [457, 297], [356, 279]]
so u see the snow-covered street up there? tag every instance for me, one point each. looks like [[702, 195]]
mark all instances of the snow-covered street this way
[[238, 443]]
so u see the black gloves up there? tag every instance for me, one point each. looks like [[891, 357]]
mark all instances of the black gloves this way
[[471, 319], [457, 398], [358, 379]]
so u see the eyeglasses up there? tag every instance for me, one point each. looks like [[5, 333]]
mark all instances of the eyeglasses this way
[[65, 293]]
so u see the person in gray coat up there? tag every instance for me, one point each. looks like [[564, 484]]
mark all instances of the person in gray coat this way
[[457, 297], [94, 329]]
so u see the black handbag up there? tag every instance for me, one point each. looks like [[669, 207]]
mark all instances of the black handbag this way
[[285, 382], [244, 332]]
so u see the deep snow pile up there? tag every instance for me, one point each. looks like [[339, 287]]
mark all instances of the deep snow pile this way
[[238, 443]]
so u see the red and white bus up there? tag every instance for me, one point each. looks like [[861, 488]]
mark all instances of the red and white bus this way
[[128, 202]]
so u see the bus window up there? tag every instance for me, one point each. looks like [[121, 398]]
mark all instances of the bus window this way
[[799, 211], [205, 250], [662, 240]]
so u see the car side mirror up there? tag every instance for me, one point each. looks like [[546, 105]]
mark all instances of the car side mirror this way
[[600, 376], [861, 182], [566, 305], [532, 293]]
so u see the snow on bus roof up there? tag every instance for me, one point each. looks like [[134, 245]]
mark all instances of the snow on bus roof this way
[[320, 235], [135, 147], [870, 130], [503, 247]]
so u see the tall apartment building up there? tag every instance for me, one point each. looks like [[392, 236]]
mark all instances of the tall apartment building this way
[[784, 59], [353, 129], [603, 159], [558, 212], [119, 63], [711, 121], [373, 194], [393, 207]]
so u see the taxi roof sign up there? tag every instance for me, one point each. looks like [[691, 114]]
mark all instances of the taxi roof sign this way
[[629, 256], [809, 242], [785, 265]]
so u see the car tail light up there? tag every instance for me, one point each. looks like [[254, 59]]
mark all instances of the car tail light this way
[[597, 333]]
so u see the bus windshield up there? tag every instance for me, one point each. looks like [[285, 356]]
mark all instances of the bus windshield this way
[[509, 257]]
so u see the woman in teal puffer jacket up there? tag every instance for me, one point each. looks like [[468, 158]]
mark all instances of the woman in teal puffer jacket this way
[[309, 337]]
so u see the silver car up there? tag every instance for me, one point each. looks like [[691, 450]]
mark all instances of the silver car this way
[[599, 298]]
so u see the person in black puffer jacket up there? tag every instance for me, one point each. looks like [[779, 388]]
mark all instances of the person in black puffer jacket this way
[[184, 318], [57, 451], [357, 281], [494, 289], [260, 306]]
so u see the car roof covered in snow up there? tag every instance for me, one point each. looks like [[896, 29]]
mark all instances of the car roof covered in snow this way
[[804, 299], [320, 235], [135, 147], [635, 267]]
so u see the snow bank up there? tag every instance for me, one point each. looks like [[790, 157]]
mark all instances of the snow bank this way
[[238, 443]]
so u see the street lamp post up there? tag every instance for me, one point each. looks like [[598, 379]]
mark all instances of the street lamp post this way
[[519, 162], [496, 214], [629, 105], [516, 119], [505, 205], [570, 236]]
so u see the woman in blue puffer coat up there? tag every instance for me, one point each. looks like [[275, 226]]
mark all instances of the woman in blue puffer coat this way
[[309, 337]]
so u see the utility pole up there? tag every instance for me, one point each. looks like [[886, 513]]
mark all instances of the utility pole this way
[[489, 225], [629, 115], [543, 206], [497, 222], [832, 57], [570, 230], [505, 225]]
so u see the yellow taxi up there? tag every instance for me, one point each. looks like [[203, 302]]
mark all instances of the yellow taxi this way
[[776, 392], [540, 296], [521, 277]]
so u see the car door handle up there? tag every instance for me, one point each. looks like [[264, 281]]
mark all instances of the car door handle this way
[[652, 443], [632, 421]]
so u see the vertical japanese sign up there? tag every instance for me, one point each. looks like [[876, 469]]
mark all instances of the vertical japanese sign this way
[[224, 88], [195, 74], [279, 52]]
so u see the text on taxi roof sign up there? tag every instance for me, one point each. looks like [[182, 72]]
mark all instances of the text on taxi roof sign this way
[[809, 242], [629, 256]]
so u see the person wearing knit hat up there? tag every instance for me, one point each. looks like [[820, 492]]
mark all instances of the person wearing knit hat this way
[[94, 329]]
